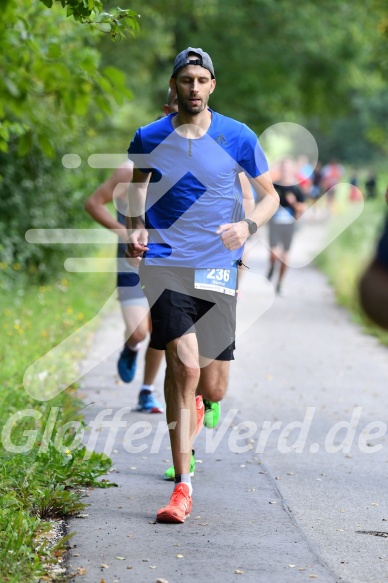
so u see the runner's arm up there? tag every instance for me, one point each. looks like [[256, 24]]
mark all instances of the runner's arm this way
[[234, 235], [95, 204], [268, 199], [297, 203], [136, 220], [248, 198]]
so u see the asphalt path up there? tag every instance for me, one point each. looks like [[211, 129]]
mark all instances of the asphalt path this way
[[292, 484]]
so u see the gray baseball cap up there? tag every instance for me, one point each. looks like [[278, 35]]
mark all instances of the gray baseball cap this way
[[203, 59]]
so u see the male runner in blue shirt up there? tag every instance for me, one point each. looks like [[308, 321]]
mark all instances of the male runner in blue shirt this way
[[188, 223]]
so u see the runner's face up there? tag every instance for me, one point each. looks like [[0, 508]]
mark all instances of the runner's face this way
[[193, 87]]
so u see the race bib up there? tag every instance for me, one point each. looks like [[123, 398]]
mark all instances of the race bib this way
[[223, 281]]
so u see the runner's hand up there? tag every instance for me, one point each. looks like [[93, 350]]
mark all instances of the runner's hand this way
[[233, 235], [137, 244]]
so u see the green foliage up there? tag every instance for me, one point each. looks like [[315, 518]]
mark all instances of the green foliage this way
[[359, 138], [92, 12], [53, 93], [379, 41], [36, 192], [37, 318], [272, 59], [36, 488], [304, 62], [27, 200], [39, 485], [51, 77], [344, 260]]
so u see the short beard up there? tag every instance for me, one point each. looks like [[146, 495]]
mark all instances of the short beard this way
[[182, 105]]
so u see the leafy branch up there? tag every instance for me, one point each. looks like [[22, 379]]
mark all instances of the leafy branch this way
[[117, 24]]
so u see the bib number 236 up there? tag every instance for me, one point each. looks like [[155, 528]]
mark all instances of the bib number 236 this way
[[219, 280]]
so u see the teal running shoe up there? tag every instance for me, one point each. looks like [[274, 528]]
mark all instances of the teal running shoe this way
[[212, 414], [148, 403], [126, 365], [169, 474]]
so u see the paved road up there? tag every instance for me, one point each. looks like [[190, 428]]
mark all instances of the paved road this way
[[261, 508]]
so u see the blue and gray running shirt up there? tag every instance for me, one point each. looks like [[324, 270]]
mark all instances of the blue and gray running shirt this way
[[194, 189]]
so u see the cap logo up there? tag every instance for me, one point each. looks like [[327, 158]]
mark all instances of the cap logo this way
[[193, 61]]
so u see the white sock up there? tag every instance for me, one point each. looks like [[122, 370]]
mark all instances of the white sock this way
[[184, 479], [149, 388], [135, 348]]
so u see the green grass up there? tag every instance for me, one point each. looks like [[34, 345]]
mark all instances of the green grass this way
[[344, 260], [44, 481]]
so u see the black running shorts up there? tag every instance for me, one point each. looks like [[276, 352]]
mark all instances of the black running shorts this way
[[177, 309]]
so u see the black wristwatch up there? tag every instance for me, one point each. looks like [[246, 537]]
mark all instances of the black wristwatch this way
[[251, 226]]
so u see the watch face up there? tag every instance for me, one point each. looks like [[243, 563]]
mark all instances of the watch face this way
[[252, 227]]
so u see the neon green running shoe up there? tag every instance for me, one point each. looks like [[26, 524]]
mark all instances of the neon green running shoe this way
[[169, 474], [212, 414]]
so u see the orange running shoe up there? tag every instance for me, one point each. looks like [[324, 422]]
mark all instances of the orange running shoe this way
[[179, 507], [200, 413]]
